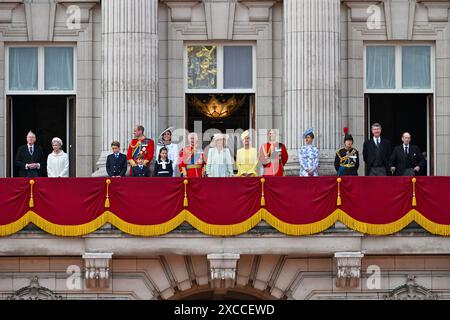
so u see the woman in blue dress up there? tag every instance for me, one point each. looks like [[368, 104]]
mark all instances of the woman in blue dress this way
[[308, 156]]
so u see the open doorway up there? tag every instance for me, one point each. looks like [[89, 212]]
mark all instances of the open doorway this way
[[398, 113], [221, 112], [47, 116]]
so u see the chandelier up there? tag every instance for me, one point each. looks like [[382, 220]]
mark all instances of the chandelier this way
[[216, 109]]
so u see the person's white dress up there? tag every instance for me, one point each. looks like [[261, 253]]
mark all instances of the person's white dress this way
[[58, 164]]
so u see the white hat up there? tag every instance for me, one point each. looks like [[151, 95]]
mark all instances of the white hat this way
[[58, 140], [219, 136]]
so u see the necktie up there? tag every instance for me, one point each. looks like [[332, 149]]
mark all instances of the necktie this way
[[117, 156], [378, 142], [31, 150], [406, 150]]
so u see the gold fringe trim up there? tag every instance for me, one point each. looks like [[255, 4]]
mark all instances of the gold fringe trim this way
[[225, 230]]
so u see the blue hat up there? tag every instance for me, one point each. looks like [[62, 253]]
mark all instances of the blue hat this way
[[308, 132]]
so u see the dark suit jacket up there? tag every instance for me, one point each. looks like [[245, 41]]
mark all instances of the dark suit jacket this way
[[116, 167], [23, 157], [370, 150], [136, 172], [401, 162]]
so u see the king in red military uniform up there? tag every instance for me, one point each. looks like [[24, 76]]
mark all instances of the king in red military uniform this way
[[273, 155], [191, 161], [140, 145]]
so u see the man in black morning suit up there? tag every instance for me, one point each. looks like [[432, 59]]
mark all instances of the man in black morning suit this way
[[116, 163], [406, 159], [30, 158], [376, 153]]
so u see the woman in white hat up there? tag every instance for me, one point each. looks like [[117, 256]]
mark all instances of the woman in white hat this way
[[219, 162], [165, 140], [246, 157], [308, 156], [57, 161]]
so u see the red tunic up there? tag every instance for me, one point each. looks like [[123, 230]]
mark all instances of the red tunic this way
[[143, 146], [278, 158], [193, 161]]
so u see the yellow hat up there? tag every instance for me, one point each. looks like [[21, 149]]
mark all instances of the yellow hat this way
[[245, 134]]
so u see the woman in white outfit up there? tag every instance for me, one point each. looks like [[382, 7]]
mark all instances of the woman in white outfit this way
[[57, 161]]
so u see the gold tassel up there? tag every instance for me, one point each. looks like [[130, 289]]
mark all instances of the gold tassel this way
[[185, 202], [263, 199], [107, 203], [339, 201], [414, 201], [31, 203]]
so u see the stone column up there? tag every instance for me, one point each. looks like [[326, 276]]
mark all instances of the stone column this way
[[311, 77], [130, 71]]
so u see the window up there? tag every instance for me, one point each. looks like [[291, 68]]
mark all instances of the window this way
[[23, 68], [398, 68], [213, 68], [416, 67], [58, 68], [44, 69]]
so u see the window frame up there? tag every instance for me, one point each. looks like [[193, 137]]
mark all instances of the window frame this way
[[398, 67], [41, 69], [220, 67]]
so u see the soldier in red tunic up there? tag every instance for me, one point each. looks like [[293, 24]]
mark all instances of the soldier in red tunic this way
[[273, 155], [140, 145], [191, 161]]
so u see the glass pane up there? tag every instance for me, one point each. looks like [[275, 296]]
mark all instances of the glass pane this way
[[59, 68], [202, 67], [416, 67], [238, 66], [23, 68], [380, 67]]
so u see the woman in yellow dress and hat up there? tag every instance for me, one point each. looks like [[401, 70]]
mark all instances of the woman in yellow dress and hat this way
[[246, 157]]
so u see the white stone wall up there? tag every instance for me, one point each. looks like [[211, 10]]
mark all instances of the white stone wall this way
[[260, 276]]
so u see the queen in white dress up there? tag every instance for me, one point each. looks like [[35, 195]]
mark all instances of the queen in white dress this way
[[57, 161], [308, 156]]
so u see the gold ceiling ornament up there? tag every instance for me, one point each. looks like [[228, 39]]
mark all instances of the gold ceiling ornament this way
[[216, 109]]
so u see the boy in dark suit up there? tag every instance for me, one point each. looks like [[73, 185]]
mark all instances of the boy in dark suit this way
[[30, 158], [406, 159], [140, 170], [116, 163]]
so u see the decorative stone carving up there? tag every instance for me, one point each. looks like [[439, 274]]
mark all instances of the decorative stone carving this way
[[181, 11], [220, 18], [411, 291], [34, 292], [97, 269], [6, 10], [437, 11], [258, 10], [222, 268], [348, 269], [40, 16]]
